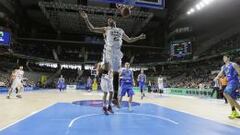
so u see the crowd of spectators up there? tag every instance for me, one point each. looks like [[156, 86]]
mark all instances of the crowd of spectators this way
[[224, 45], [197, 75], [182, 75]]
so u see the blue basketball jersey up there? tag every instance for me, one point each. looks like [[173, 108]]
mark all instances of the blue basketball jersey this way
[[127, 76], [142, 78], [61, 80], [231, 73]]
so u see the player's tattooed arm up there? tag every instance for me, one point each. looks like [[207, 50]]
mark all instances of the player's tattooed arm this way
[[89, 24], [133, 39]]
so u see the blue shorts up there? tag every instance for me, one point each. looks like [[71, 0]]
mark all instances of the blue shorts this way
[[61, 86], [88, 87], [141, 85], [231, 90], [127, 88]]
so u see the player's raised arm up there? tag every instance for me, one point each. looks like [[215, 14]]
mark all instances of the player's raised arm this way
[[133, 39], [89, 25]]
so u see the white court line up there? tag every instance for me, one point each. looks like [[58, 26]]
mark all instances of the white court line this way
[[25, 117], [80, 117], [153, 116], [138, 114]]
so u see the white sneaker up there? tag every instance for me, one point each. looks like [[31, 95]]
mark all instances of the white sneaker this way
[[129, 107]]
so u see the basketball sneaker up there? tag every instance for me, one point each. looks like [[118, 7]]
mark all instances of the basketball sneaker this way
[[129, 107], [234, 115], [116, 103], [110, 109], [19, 96], [105, 110]]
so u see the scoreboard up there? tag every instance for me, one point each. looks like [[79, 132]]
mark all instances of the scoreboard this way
[[181, 48], [156, 4], [5, 38]]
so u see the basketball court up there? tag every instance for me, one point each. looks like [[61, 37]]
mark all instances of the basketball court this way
[[74, 112]]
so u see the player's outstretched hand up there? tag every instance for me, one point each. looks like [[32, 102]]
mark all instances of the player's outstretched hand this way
[[142, 36], [83, 14]]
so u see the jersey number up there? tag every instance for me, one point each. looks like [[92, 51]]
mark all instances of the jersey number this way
[[116, 39]]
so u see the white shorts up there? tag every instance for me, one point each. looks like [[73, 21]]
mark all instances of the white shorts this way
[[106, 83], [16, 83], [114, 58]]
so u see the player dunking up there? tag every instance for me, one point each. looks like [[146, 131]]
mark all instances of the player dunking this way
[[112, 49], [141, 82], [232, 71]]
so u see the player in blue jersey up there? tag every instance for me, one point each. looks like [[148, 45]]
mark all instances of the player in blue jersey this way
[[89, 84], [127, 83], [237, 60], [232, 71], [61, 83], [141, 82]]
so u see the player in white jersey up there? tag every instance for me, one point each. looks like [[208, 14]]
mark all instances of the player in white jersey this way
[[112, 49], [106, 85], [17, 82], [11, 78]]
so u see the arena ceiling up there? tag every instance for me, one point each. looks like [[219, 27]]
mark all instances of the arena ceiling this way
[[64, 17], [40, 18]]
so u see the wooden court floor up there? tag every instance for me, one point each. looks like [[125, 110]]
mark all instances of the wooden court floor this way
[[13, 110]]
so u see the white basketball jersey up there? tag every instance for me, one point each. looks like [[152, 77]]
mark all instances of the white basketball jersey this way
[[113, 37], [19, 74]]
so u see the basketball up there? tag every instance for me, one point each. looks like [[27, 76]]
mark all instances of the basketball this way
[[125, 12]]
